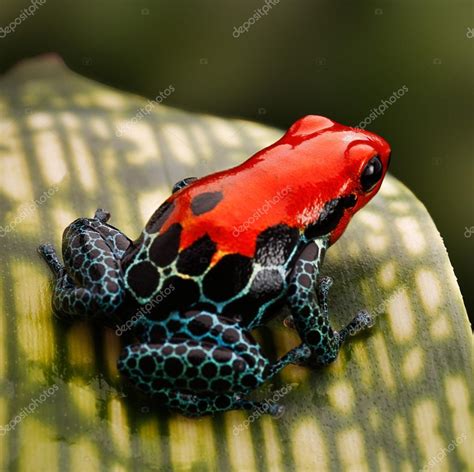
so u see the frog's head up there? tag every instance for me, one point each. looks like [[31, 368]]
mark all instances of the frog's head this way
[[346, 165]]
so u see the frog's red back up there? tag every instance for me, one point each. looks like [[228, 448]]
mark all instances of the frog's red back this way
[[290, 182]]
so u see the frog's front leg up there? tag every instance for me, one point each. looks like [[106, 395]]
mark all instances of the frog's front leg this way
[[90, 282], [308, 303]]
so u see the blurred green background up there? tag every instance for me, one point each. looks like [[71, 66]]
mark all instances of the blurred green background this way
[[334, 58]]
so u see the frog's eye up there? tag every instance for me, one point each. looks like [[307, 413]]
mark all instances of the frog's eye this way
[[371, 174]]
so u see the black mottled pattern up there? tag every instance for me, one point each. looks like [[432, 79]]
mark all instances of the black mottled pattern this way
[[228, 277], [195, 259]]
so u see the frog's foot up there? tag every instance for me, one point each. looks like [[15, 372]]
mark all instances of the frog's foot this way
[[102, 215], [266, 406], [200, 404], [51, 257], [362, 321]]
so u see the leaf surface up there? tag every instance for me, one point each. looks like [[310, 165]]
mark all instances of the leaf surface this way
[[397, 399]]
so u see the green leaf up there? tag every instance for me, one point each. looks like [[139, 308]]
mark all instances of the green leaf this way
[[398, 398]]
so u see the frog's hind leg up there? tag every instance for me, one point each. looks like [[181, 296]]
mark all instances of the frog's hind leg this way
[[115, 239], [90, 282], [210, 365], [68, 299]]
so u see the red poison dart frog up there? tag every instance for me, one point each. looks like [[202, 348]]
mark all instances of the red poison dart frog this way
[[227, 250]]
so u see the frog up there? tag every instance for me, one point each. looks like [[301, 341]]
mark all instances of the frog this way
[[219, 258]]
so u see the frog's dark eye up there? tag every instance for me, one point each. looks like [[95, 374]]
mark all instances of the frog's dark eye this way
[[371, 174]]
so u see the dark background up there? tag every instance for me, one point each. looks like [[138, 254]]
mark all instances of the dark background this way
[[334, 58]]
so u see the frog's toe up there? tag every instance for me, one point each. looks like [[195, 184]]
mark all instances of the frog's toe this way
[[102, 215], [49, 254], [366, 319], [362, 321], [324, 285], [46, 249], [289, 322], [276, 411], [326, 282]]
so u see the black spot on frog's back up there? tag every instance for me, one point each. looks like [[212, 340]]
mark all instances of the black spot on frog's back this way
[[159, 217], [205, 202], [176, 293], [275, 245], [228, 277], [165, 246], [195, 259], [143, 279]]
